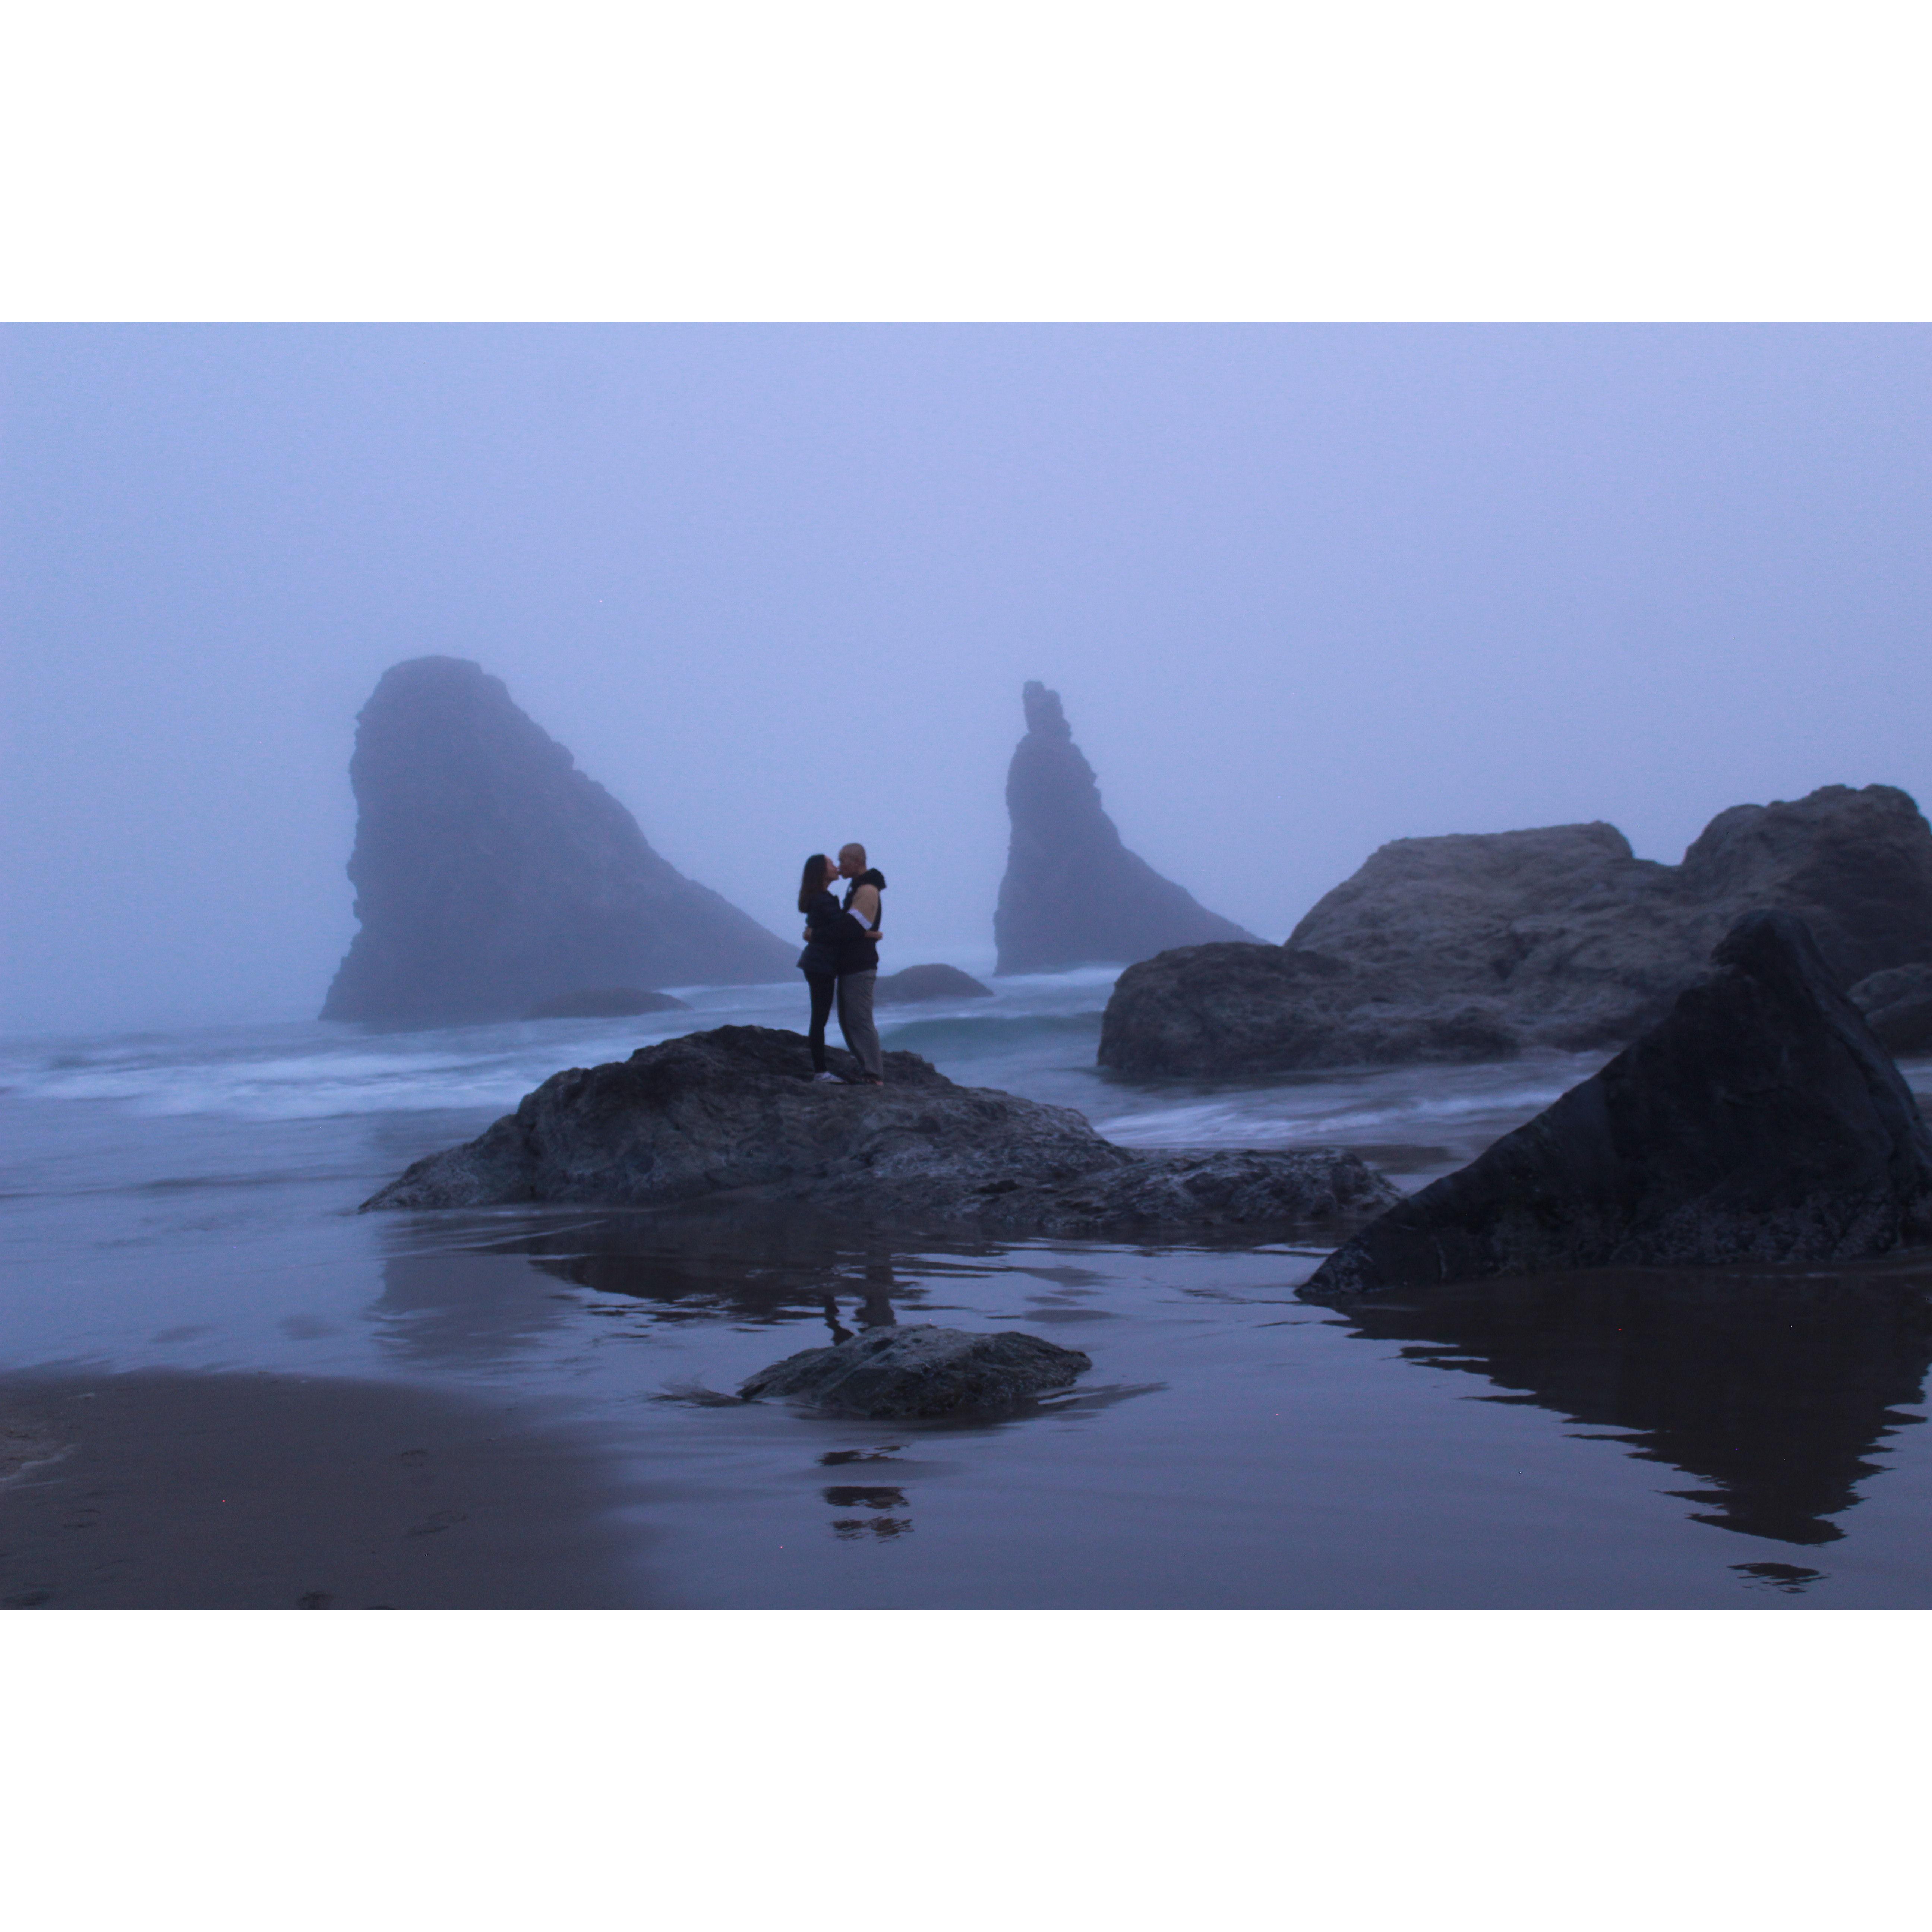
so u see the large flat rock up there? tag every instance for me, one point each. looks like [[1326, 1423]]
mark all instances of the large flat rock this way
[[1760, 1121], [733, 1115]]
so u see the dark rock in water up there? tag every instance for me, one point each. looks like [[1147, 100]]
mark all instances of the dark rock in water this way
[[609, 1003], [914, 983], [1758, 1121], [1555, 937], [1898, 1007], [898, 1375], [1073, 895], [492, 876], [1234, 1009], [734, 1111]]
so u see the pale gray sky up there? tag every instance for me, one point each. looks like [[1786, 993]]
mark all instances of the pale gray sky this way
[[1303, 589]]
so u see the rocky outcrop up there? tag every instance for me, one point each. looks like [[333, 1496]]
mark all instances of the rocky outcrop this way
[[1073, 895], [1555, 937], [1759, 1121], [900, 1375], [608, 1003], [1898, 1007], [491, 876], [914, 984], [1235, 1009], [734, 1113]]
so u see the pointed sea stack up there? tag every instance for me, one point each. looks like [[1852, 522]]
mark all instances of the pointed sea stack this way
[[492, 877], [1759, 1120], [1073, 895]]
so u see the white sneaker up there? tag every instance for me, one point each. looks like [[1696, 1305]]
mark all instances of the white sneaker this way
[[832, 1077]]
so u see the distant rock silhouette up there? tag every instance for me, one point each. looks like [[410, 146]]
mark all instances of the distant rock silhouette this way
[[1557, 937], [492, 876], [1073, 895], [607, 1002], [1759, 1121], [912, 984]]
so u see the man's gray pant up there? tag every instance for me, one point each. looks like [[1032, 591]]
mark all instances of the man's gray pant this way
[[855, 1020]]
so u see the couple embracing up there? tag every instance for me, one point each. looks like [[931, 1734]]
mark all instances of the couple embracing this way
[[840, 959]]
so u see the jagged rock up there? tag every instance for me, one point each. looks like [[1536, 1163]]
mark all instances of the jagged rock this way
[[915, 983], [1898, 1007], [1759, 1121], [1555, 937], [491, 875], [734, 1111], [1073, 895], [898, 1374], [609, 1002]]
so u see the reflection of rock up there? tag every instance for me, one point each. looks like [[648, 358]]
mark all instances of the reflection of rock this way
[[734, 1111], [1897, 1006], [1759, 1121], [1474, 945], [1772, 1389], [491, 874], [894, 1375], [1073, 895], [928, 982], [609, 1002], [464, 1307]]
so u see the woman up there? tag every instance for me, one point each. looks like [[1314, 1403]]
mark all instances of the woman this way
[[819, 961]]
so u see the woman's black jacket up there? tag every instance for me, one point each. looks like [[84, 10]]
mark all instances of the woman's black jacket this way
[[831, 930]]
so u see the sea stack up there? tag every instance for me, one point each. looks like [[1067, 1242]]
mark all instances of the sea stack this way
[[1759, 1121], [1073, 895], [492, 878]]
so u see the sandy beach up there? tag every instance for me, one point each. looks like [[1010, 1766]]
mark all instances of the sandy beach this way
[[160, 1489]]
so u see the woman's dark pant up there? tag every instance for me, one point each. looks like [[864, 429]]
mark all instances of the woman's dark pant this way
[[824, 989]]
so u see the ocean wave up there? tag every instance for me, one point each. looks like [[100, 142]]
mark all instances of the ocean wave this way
[[974, 1033]]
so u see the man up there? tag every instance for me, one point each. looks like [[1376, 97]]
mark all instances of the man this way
[[859, 962]]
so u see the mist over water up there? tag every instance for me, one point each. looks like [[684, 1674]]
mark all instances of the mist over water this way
[[1303, 590]]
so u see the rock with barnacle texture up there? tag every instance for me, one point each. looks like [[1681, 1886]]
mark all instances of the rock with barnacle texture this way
[[1073, 895], [734, 1116], [906, 1374], [1759, 1121], [492, 878]]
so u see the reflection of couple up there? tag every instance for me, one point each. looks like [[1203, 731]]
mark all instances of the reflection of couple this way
[[841, 958]]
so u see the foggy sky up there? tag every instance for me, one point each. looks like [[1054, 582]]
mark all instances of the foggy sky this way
[[1303, 590]]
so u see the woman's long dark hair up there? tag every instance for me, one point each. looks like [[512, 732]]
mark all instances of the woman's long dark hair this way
[[813, 883]]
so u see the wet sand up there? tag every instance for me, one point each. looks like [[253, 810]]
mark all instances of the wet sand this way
[[165, 1490]]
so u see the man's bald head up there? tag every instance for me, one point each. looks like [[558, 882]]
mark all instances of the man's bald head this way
[[852, 860]]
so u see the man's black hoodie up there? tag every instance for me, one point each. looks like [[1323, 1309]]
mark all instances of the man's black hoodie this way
[[858, 950]]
